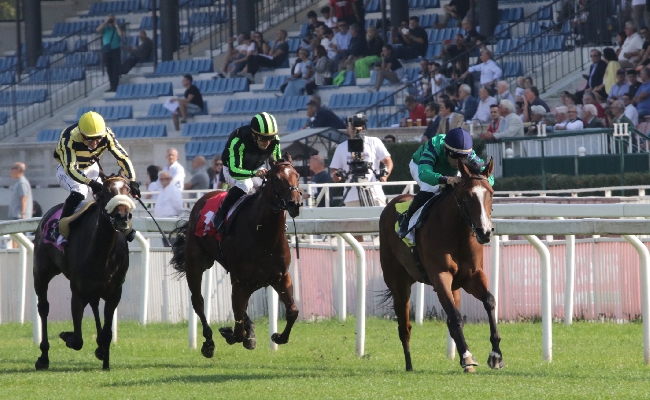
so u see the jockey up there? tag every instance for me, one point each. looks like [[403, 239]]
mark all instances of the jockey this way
[[247, 149], [435, 163], [80, 147]]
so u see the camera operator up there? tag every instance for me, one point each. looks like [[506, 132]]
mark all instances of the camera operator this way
[[111, 52], [361, 164]]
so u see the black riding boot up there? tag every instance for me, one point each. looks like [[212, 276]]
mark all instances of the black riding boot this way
[[233, 195], [418, 201]]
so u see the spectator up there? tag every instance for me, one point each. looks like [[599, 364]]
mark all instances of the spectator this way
[[630, 111], [111, 51], [389, 139], [519, 91], [472, 37], [490, 71], [170, 200], [437, 79], [457, 50], [390, 69], [200, 179], [589, 115], [261, 44], [422, 86], [467, 105], [375, 43], [590, 98], [450, 92], [611, 72], [175, 169], [142, 53], [38, 211], [620, 87], [21, 203], [620, 39], [596, 73], [344, 11], [311, 26], [617, 109], [537, 114], [633, 81], [511, 126], [416, 112], [640, 12], [503, 92], [191, 103], [531, 98], [519, 107], [642, 98], [561, 117], [218, 182], [644, 53], [450, 119], [317, 167], [343, 38], [629, 54], [414, 40], [322, 117], [275, 59], [483, 110], [322, 71], [328, 19], [154, 183], [234, 53], [496, 122], [460, 77], [240, 63], [574, 123], [431, 111], [296, 83], [357, 50], [456, 9]]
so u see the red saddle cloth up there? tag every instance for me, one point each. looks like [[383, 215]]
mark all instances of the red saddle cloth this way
[[204, 226]]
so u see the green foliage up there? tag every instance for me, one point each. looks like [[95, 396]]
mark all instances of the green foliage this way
[[7, 10], [557, 182]]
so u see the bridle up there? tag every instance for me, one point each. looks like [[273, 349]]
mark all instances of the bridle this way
[[279, 203], [462, 205], [105, 213]]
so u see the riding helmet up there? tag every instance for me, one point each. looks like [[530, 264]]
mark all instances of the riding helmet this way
[[92, 125], [264, 124], [459, 141]]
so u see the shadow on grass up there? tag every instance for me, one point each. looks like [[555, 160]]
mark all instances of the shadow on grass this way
[[211, 378]]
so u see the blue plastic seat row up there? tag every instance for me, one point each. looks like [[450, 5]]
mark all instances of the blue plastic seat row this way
[[295, 124], [427, 20], [55, 47], [4, 117], [48, 135], [502, 31], [385, 120], [433, 50], [114, 7], [205, 148], [67, 74], [146, 4], [143, 90], [157, 111], [545, 12], [80, 59], [373, 6], [512, 69], [536, 27], [204, 18], [8, 63], [84, 26], [271, 104], [424, 3], [140, 131], [222, 86], [181, 67], [22, 97], [360, 100], [211, 129], [80, 45], [440, 35], [511, 14], [272, 83], [7, 78], [409, 74], [110, 113]]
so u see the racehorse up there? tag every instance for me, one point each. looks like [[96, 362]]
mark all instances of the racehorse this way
[[255, 252], [95, 261], [451, 259]]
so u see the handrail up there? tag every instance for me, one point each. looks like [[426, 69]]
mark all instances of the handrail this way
[[563, 133]]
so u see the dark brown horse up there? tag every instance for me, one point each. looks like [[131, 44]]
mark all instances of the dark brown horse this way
[[255, 252], [95, 261], [450, 256]]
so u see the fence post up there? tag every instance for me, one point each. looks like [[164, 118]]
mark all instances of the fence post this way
[[419, 302], [361, 292], [494, 279], [144, 267], [342, 281], [644, 267], [272, 300], [545, 265]]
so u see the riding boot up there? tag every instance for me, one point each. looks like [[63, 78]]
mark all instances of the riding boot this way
[[418, 201], [131, 235], [233, 195], [71, 203]]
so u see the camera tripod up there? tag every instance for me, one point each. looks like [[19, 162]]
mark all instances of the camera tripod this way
[[366, 195]]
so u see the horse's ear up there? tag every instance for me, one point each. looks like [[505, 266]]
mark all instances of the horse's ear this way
[[489, 168], [287, 157], [464, 172]]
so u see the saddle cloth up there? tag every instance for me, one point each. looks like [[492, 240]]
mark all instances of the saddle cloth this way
[[57, 238], [417, 220], [205, 225]]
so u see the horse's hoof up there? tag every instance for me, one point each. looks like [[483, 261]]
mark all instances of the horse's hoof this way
[[208, 349], [68, 338], [277, 339], [106, 368], [42, 364], [228, 334], [99, 354], [250, 343], [495, 360], [409, 369], [469, 369]]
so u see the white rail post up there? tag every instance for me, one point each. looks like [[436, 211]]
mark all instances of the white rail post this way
[[342, 281], [272, 300], [361, 291], [547, 328], [494, 279], [23, 280], [419, 302], [570, 274], [207, 296], [114, 326], [644, 272], [26, 253], [191, 320], [144, 261]]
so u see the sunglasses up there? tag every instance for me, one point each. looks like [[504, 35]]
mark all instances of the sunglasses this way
[[88, 139], [456, 156], [218, 164]]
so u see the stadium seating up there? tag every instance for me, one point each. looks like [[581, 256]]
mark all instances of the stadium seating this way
[[222, 86], [7, 78], [140, 131], [80, 59], [110, 113], [373, 6], [272, 83], [204, 18], [294, 44], [206, 148], [85, 26], [385, 120], [511, 14], [427, 20], [545, 13], [48, 135], [57, 75], [8, 63], [424, 3], [360, 100], [55, 47], [80, 45], [181, 67], [409, 74], [22, 97], [4, 117], [433, 50], [296, 124], [271, 104], [512, 69], [113, 7], [157, 111], [211, 129], [142, 91]]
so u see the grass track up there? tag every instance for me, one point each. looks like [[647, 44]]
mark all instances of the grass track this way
[[591, 360]]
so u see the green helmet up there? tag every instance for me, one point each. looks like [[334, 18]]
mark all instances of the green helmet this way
[[264, 124]]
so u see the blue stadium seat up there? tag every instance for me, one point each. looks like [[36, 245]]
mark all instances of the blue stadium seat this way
[[512, 69], [274, 104], [296, 124], [57, 75], [48, 135], [180, 67], [22, 97], [427, 20], [80, 45], [222, 86], [142, 91], [204, 18], [110, 113], [114, 7], [55, 47], [502, 31], [204, 148], [7, 78], [545, 13], [211, 129], [272, 83], [304, 28], [81, 59], [373, 6], [359, 100], [433, 50], [146, 23], [140, 131]]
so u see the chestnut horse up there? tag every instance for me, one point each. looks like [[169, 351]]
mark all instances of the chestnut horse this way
[[451, 259], [255, 252], [95, 261]]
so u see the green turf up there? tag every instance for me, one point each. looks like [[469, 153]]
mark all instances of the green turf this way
[[590, 360]]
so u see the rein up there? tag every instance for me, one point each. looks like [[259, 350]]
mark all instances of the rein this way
[[462, 208]]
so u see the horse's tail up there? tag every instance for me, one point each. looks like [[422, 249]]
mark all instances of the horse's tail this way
[[178, 247], [386, 298]]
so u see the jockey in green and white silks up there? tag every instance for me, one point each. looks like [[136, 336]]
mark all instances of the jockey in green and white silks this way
[[435, 163]]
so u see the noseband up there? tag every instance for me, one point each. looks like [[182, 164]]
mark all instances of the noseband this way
[[463, 207], [105, 213], [279, 203]]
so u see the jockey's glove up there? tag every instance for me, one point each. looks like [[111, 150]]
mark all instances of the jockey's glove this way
[[95, 186], [135, 188]]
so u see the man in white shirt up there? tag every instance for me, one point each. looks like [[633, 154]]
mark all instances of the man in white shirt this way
[[561, 117], [175, 168], [490, 71], [170, 200], [630, 111], [329, 19], [483, 110], [630, 50], [574, 123], [374, 151], [503, 91]]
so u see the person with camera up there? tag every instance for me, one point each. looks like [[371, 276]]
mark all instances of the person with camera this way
[[111, 34], [359, 159], [435, 164]]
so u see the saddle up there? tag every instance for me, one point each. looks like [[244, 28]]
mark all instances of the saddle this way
[[205, 227], [64, 223], [418, 218]]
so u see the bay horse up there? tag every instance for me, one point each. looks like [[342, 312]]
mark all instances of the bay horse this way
[[451, 259], [96, 260], [255, 252]]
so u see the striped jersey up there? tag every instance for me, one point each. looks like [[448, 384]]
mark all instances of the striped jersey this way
[[243, 156], [75, 157]]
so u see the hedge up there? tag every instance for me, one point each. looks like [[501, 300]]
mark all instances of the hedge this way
[[558, 182]]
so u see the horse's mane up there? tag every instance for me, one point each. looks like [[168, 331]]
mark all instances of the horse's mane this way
[[473, 168]]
